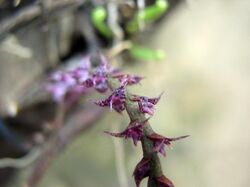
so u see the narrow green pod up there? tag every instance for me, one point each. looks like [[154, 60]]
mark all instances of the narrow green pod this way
[[149, 14], [146, 54], [154, 12], [98, 17]]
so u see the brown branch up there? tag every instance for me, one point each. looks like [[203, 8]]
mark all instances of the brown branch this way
[[78, 123], [36, 10]]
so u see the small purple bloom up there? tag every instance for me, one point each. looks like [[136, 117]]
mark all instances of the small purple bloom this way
[[102, 69], [57, 91], [100, 82], [85, 63], [142, 170], [146, 105], [61, 83], [80, 74], [102, 103], [62, 77], [134, 131], [105, 66], [100, 75], [56, 76], [128, 79], [88, 83], [69, 82], [115, 101], [160, 141]]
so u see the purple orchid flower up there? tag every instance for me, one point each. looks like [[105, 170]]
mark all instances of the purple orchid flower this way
[[100, 83], [128, 79], [142, 170], [146, 105], [80, 74], [160, 141], [70, 82], [115, 101], [134, 131], [57, 91], [100, 75]]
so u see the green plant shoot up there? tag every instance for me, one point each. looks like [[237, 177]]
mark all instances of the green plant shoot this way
[[146, 54], [98, 17], [149, 14]]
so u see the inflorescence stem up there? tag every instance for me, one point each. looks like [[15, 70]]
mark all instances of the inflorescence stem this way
[[147, 144], [69, 85]]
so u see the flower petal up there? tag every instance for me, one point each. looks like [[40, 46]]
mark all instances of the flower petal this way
[[114, 134], [142, 170], [164, 181], [102, 103], [128, 79], [160, 142], [146, 105], [134, 131], [155, 100]]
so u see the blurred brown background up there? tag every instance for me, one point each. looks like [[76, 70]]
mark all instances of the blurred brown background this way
[[207, 95]]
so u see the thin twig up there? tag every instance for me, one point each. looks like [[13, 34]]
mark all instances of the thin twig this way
[[117, 49], [34, 11], [78, 123], [60, 114], [20, 162]]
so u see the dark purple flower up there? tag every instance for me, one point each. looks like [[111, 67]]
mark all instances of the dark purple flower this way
[[160, 142], [57, 91], [59, 84], [115, 101], [100, 75], [74, 93], [103, 103], [164, 181], [69, 82], [85, 63], [146, 105], [56, 76], [100, 82], [103, 68], [80, 74], [88, 83], [134, 131], [142, 170], [63, 78], [128, 79]]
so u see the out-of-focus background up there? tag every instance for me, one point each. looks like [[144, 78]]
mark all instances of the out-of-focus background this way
[[207, 95]]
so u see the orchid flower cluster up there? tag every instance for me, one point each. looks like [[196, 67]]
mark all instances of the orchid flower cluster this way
[[103, 78]]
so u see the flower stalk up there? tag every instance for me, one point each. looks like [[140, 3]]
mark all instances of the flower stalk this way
[[73, 83], [147, 145]]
